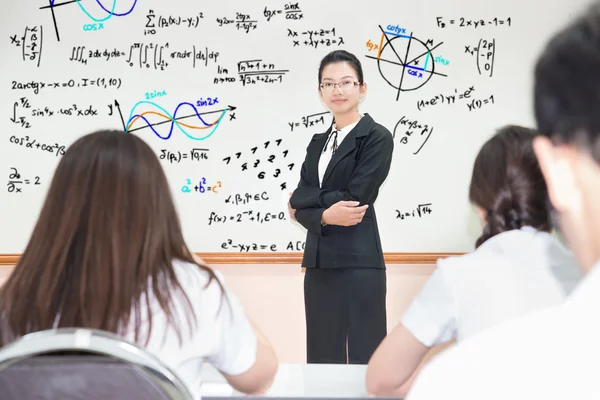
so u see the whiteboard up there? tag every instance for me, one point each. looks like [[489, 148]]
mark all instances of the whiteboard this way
[[240, 80]]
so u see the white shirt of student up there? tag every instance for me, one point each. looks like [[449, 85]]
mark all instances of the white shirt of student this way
[[224, 338], [550, 354], [327, 151], [510, 275]]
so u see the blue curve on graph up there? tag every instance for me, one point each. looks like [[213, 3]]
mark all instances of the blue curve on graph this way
[[113, 9], [110, 12], [174, 121]]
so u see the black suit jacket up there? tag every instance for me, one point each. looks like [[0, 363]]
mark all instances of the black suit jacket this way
[[356, 171]]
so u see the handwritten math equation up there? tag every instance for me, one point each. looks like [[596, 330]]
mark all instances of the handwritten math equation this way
[[469, 100], [485, 54], [290, 10], [310, 120], [147, 55], [248, 247], [23, 112], [34, 144], [36, 86], [238, 20], [30, 43], [316, 38], [229, 244], [202, 186], [245, 216], [250, 73], [246, 198], [405, 128], [473, 23], [155, 22], [419, 212], [195, 154], [16, 182], [257, 71]]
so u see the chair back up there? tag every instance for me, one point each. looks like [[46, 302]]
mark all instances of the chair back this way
[[84, 364]]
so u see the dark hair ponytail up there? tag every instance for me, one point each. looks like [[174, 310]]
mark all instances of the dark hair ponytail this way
[[508, 185]]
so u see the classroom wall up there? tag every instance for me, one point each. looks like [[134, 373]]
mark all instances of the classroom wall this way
[[273, 297]]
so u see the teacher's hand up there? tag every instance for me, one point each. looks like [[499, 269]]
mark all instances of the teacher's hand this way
[[344, 213], [291, 210]]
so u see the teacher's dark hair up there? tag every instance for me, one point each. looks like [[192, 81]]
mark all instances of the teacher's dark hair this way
[[102, 247], [338, 56], [508, 185]]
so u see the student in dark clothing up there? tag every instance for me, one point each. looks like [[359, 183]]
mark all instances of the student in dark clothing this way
[[344, 167]]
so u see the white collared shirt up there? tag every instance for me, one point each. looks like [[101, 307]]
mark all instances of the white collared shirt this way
[[550, 354], [222, 334], [511, 274], [328, 151]]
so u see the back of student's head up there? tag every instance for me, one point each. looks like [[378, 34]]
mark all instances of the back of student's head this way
[[567, 85], [567, 110], [106, 236], [507, 184]]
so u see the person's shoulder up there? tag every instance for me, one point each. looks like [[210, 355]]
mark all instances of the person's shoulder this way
[[475, 257], [377, 129], [194, 279], [490, 252], [556, 251], [489, 357], [465, 267], [554, 245], [376, 132], [381, 130], [317, 136]]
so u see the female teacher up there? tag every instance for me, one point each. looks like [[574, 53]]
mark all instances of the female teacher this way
[[345, 281]]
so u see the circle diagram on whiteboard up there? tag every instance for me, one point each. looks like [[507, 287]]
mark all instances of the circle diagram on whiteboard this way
[[404, 61]]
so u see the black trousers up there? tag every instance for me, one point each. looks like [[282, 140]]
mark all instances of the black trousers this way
[[345, 314]]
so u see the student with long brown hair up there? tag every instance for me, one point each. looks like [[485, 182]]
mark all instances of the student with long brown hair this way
[[108, 253], [517, 266]]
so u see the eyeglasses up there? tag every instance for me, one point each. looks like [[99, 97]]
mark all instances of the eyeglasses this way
[[344, 85]]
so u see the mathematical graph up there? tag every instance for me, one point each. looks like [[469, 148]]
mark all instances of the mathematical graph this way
[[52, 4], [398, 64], [174, 120]]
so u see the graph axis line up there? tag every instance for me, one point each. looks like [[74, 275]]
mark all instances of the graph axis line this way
[[388, 41], [54, 20], [404, 67]]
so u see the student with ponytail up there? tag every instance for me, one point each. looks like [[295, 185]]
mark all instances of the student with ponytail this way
[[517, 266]]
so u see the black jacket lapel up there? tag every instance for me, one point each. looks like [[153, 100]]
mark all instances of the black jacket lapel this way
[[313, 155], [348, 144]]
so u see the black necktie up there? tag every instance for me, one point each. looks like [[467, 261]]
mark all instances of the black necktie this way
[[334, 145]]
